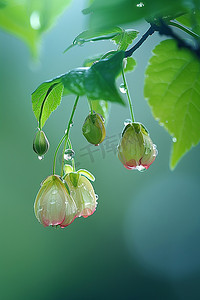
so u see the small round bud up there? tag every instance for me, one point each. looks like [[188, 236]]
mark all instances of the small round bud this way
[[40, 143], [93, 129], [136, 149]]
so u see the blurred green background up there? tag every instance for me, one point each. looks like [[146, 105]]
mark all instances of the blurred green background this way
[[143, 242]]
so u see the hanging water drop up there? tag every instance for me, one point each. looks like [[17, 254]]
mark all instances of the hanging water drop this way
[[69, 154], [54, 192], [35, 20], [127, 121], [122, 88], [141, 4], [141, 168], [174, 140], [71, 124], [155, 150], [97, 197], [40, 157]]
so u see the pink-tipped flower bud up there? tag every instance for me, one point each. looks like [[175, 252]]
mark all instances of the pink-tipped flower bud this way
[[136, 149], [53, 204], [81, 190], [93, 129]]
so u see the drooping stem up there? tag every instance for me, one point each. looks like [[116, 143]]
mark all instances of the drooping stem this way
[[190, 32], [128, 96], [65, 137], [149, 32], [90, 105], [164, 29]]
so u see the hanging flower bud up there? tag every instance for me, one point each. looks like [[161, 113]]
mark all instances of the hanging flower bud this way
[[93, 129], [82, 192], [40, 143], [53, 205], [136, 149]]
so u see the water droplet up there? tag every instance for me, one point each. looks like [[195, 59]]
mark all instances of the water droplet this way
[[147, 150], [35, 20], [97, 197], [141, 4], [71, 124], [122, 88], [174, 140], [166, 121], [63, 181], [40, 157], [155, 150], [96, 144], [141, 168], [161, 124], [54, 192], [127, 121], [80, 43], [69, 154]]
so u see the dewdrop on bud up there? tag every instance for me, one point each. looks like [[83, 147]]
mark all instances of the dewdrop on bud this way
[[40, 143], [93, 129], [136, 149]]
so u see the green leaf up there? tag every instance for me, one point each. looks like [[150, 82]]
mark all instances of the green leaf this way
[[90, 60], [87, 174], [101, 107], [98, 81], [191, 20], [28, 19], [92, 36], [46, 98], [125, 38], [105, 14], [130, 64], [172, 87]]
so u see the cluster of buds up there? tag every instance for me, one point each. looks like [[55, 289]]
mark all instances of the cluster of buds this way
[[136, 149], [59, 202]]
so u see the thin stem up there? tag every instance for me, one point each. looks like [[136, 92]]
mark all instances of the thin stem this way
[[128, 96], [149, 32], [65, 137], [90, 106], [73, 160], [178, 25], [164, 29]]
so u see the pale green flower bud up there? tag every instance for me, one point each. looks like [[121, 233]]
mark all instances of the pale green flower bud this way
[[136, 149], [81, 190], [53, 205]]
